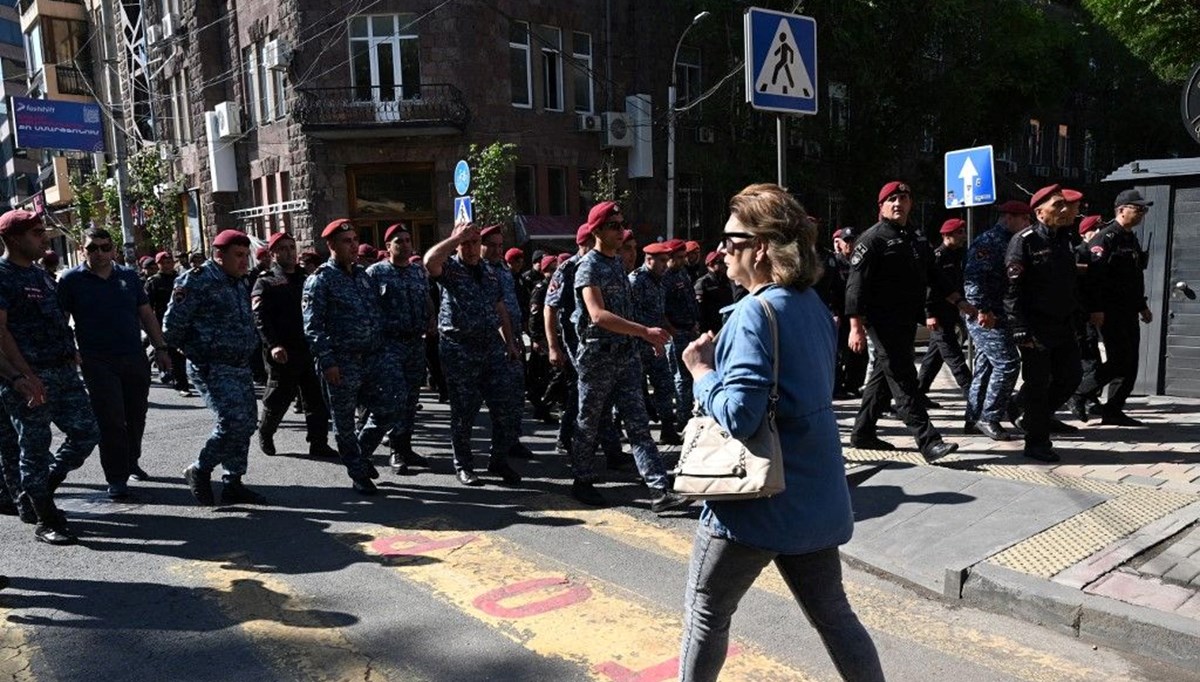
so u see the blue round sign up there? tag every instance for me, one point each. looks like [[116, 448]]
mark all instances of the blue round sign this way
[[462, 177]]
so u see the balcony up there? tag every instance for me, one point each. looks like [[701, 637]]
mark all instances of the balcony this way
[[379, 111], [72, 81], [32, 10]]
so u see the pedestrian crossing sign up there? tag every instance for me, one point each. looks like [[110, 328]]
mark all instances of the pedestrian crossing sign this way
[[781, 61], [464, 210]]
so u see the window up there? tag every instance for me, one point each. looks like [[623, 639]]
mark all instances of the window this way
[[253, 85], [1033, 142], [180, 123], [556, 190], [10, 33], [266, 94], [839, 107], [33, 50], [385, 58], [525, 189], [1062, 150], [550, 39], [690, 211], [687, 73], [582, 66], [519, 66]]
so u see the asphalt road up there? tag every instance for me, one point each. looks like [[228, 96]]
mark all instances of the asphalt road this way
[[433, 581]]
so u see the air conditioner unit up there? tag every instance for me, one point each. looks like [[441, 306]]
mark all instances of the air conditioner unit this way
[[154, 34], [171, 25], [589, 123], [167, 152], [277, 54], [617, 132], [229, 120], [706, 135]]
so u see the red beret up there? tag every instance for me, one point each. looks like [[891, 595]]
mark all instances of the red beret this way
[[394, 230], [337, 226], [712, 257], [161, 256], [231, 238], [1039, 197], [18, 221], [952, 225], [583, 235], [547, 261], [367, 250], [1089, 223], [381, 256], [692, 246], [1071, 195], [626, 236], [278, 237], [513, 254], [893, 187], [676, 245], [657, 248], [563, 258], [262, 252], [601, 213], [490, 230], [1014, 207]]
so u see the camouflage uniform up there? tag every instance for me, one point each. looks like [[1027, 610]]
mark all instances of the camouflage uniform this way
[[997, 362], [39, 328], [471, 350], [683, 314], [647, 300], [343, 322], [610, 373], [515, 367], [404, 295], [209, 318]]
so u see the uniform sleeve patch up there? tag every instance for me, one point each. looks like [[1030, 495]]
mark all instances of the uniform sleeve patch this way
[[1015, 270], [859, 252]]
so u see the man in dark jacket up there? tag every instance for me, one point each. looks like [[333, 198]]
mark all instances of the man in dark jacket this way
[[158, 289], [713, 292]]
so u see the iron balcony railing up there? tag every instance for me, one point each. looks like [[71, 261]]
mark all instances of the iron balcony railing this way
[[72, 81], [425, 105]]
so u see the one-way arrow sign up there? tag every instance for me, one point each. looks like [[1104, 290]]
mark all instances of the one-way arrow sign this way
[[970, 178]]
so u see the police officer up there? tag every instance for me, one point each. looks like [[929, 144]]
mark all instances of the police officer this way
[[997, 361], [885, 298], [210, 320], [693, 260], [944, 309], [683, 316], [851, 366], [560, 334], [492, 242], [44, 384], [344, 327], [628, 251], [538, 374], [1086, 334], [713, 293], [475, 340], [403, 288], [276, 302], [1115, 293], [647, 297], [1040, 302], [159, 288], [610, 371]]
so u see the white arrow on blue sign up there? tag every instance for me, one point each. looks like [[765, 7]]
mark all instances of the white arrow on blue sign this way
[[464, 210], [781, 61], [970, 177], [462, 177]]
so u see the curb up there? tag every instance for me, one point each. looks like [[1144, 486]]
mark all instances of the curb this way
[[1139, 630]]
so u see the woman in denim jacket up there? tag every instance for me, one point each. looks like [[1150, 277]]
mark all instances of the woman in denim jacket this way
[[768, 245]]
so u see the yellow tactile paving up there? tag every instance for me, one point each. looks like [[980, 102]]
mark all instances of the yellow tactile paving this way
[[914, 620], [302, 642], [16, 653], [552, 609]]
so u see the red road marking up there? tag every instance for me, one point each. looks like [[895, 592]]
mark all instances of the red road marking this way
[[409, 544], [489, 602], [659, 672]]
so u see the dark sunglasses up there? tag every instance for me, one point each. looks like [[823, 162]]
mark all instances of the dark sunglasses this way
[[728, 244], [103, 248]]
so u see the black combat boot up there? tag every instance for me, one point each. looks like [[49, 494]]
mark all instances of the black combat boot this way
[[235, 492], [266, 432], [52, 525]]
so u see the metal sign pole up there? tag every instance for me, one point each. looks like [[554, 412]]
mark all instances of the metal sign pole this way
[[780, 151]]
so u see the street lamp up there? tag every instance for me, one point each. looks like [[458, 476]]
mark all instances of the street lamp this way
[[671, 127]]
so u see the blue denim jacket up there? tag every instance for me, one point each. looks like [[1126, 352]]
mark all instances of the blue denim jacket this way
[[814, 511]]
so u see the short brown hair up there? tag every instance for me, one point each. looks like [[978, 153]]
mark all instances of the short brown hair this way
[[770, 213]]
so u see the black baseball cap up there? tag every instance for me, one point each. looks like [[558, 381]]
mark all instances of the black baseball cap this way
[[1132, 197]]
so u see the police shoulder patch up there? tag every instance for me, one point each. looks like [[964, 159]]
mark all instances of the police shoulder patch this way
[[860, 252], [1025, 233]]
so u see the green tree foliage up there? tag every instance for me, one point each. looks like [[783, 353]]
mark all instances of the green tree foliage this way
[[155, 196], [1161, 32], [491, 191], [90, 205], [603, 184]]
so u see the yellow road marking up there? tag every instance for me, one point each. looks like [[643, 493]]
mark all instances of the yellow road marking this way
[[550, 608], [16, 653], [303, 643], [915, 620]]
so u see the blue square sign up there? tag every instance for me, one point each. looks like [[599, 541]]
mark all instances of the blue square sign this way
[[970, 177], [464, 210], [781, 61]]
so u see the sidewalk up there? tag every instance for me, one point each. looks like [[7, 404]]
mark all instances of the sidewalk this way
[[1104, 545]]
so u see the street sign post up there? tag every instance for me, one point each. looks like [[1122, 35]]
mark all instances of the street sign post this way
[[970, 178], [781, 61], [464, 210], [462, 177]]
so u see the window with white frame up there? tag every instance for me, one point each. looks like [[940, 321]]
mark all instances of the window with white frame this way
[[1062, 150], [181, 124], [581, 51], [385, 58], [687, 75], [253, 85], [520, 65], [550, 39], [1033, 141], [266, 98]]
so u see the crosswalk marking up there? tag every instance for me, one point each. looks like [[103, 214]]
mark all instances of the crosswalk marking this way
[[552, 609], [16, 652]]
